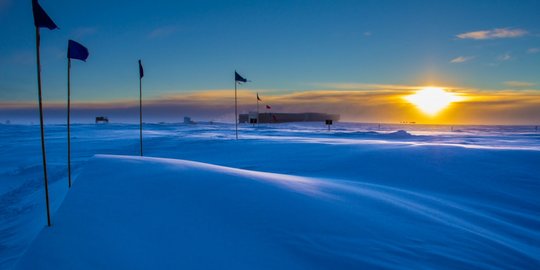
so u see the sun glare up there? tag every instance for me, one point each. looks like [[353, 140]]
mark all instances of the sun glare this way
[[432, 100]]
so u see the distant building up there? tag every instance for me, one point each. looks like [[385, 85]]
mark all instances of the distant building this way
[[187, 120], [102, 119], [287, 117]]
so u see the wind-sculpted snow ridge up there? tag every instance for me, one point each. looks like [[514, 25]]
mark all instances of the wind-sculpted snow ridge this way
[[127, 212]]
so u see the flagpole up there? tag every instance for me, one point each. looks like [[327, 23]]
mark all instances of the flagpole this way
[[236, 108], [257, 109], [68, 121], [38, 41], [140, 113]]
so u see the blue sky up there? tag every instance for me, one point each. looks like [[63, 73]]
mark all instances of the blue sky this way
[[283, 46]]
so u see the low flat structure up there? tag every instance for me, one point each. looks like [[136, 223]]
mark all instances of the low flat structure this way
[[287, 117], [102, 119]]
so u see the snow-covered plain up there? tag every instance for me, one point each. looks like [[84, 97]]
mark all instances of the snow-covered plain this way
[[293, 196]]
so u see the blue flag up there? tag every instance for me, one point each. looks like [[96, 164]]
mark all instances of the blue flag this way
[[77, 51], [238, 78], [141, 70], [41, 19]]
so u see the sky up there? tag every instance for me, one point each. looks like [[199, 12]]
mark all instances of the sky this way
[[358, 59]]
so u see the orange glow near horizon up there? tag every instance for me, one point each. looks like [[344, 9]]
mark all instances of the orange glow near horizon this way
[[432, 100]]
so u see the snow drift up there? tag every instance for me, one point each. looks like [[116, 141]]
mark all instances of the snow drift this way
[[149, 213]]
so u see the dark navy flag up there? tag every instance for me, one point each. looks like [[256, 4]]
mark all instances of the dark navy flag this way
[[141, 70], [41, 19], [77, 51], [239, 78]]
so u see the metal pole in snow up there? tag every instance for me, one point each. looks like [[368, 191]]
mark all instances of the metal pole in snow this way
[[68, 121], [236, 107], [41, 127], [140, 113]]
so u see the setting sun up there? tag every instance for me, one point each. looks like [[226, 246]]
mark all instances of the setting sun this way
[[432, 100]]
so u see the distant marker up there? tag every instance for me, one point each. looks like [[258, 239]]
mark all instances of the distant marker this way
[[258, 99], [329, 123]]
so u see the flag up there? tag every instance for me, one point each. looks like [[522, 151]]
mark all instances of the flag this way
[[268, 107], [141, 70], [77, 51], [238, 78], [258, 98], [41, 19]]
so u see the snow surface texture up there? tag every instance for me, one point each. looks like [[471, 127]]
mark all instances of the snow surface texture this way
[[351, 198]]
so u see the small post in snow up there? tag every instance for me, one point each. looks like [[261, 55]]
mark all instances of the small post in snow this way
[[329, 122]]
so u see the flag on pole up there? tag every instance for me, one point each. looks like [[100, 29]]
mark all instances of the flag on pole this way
[[268, 107], [77, 51], [141, 70], [258, 98], [238, 78], [41, 19], [141, 75]]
